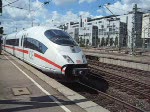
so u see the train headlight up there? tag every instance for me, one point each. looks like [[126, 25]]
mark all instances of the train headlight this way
[[68, 59], [84, 59]]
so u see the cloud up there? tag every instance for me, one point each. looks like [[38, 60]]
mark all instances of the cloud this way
[[100, 11], [125, 6], [58, 19], [99, 16], [118, 8], [88, 1], [85, 14], [63, 2], [21, 18]]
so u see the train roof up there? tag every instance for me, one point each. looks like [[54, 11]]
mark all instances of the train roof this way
[[32, 30], [41, 28], [38, 29]]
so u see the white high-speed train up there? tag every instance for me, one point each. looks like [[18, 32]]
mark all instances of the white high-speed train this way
[[48, 49]]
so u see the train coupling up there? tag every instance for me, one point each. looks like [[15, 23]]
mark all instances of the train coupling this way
[[80, 71]]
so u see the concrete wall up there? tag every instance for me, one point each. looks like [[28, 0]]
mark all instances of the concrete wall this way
[[126, 63]]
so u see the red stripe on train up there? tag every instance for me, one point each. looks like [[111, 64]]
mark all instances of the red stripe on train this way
[[24, 51], [48, 61], [38, 56]]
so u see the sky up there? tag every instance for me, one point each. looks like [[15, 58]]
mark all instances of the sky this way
[[17, 16]]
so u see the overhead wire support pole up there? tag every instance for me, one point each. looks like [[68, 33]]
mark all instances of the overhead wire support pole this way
[[29, 5], [30, 13], [134, 32]]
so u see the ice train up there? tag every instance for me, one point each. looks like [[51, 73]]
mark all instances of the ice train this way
[[48, 49]]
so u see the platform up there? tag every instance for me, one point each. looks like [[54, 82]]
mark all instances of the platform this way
[[137, 62], [25, 89]]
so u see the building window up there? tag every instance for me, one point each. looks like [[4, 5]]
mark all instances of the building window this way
[[83, 24], [110, 29], [89, 23]]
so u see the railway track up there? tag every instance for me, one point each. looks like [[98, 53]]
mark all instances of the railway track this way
[[123, 88], [125, 82], [105, 100], [127, 70], [138, 75]]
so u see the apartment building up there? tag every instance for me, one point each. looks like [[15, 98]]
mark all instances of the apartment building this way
[[112, 31], [104, 31], [146, 30]]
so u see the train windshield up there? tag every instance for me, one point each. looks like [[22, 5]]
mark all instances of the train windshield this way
[[60, 37]]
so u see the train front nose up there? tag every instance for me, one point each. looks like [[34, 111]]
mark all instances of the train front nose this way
[[80, 71], [76, 70]]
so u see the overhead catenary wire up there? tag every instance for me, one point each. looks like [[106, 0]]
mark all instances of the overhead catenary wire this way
[[25, 9], [133, 34], [10, 3]]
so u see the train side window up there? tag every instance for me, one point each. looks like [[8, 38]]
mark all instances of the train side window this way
[[16, 42], [21, 40], [1, 42], [6, 42], [40, 47], [13, 42], [25, 42], [44, 48], [30, 43], [35, 45]]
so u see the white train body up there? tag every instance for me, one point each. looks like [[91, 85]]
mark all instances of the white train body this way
[[51, 50]]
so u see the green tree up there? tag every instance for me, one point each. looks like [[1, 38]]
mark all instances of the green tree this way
[[103, 42], [116, 41], [98, 40], [81, 42], [111, 41], [77, 40], [107, 41], [87, 42]]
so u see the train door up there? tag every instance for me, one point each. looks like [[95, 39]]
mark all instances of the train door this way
[[15, 43], [29, 45], [22, 47], [31, 53]]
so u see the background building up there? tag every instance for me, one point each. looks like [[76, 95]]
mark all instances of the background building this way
[[104, 31], [146, 30], [112, 31]]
